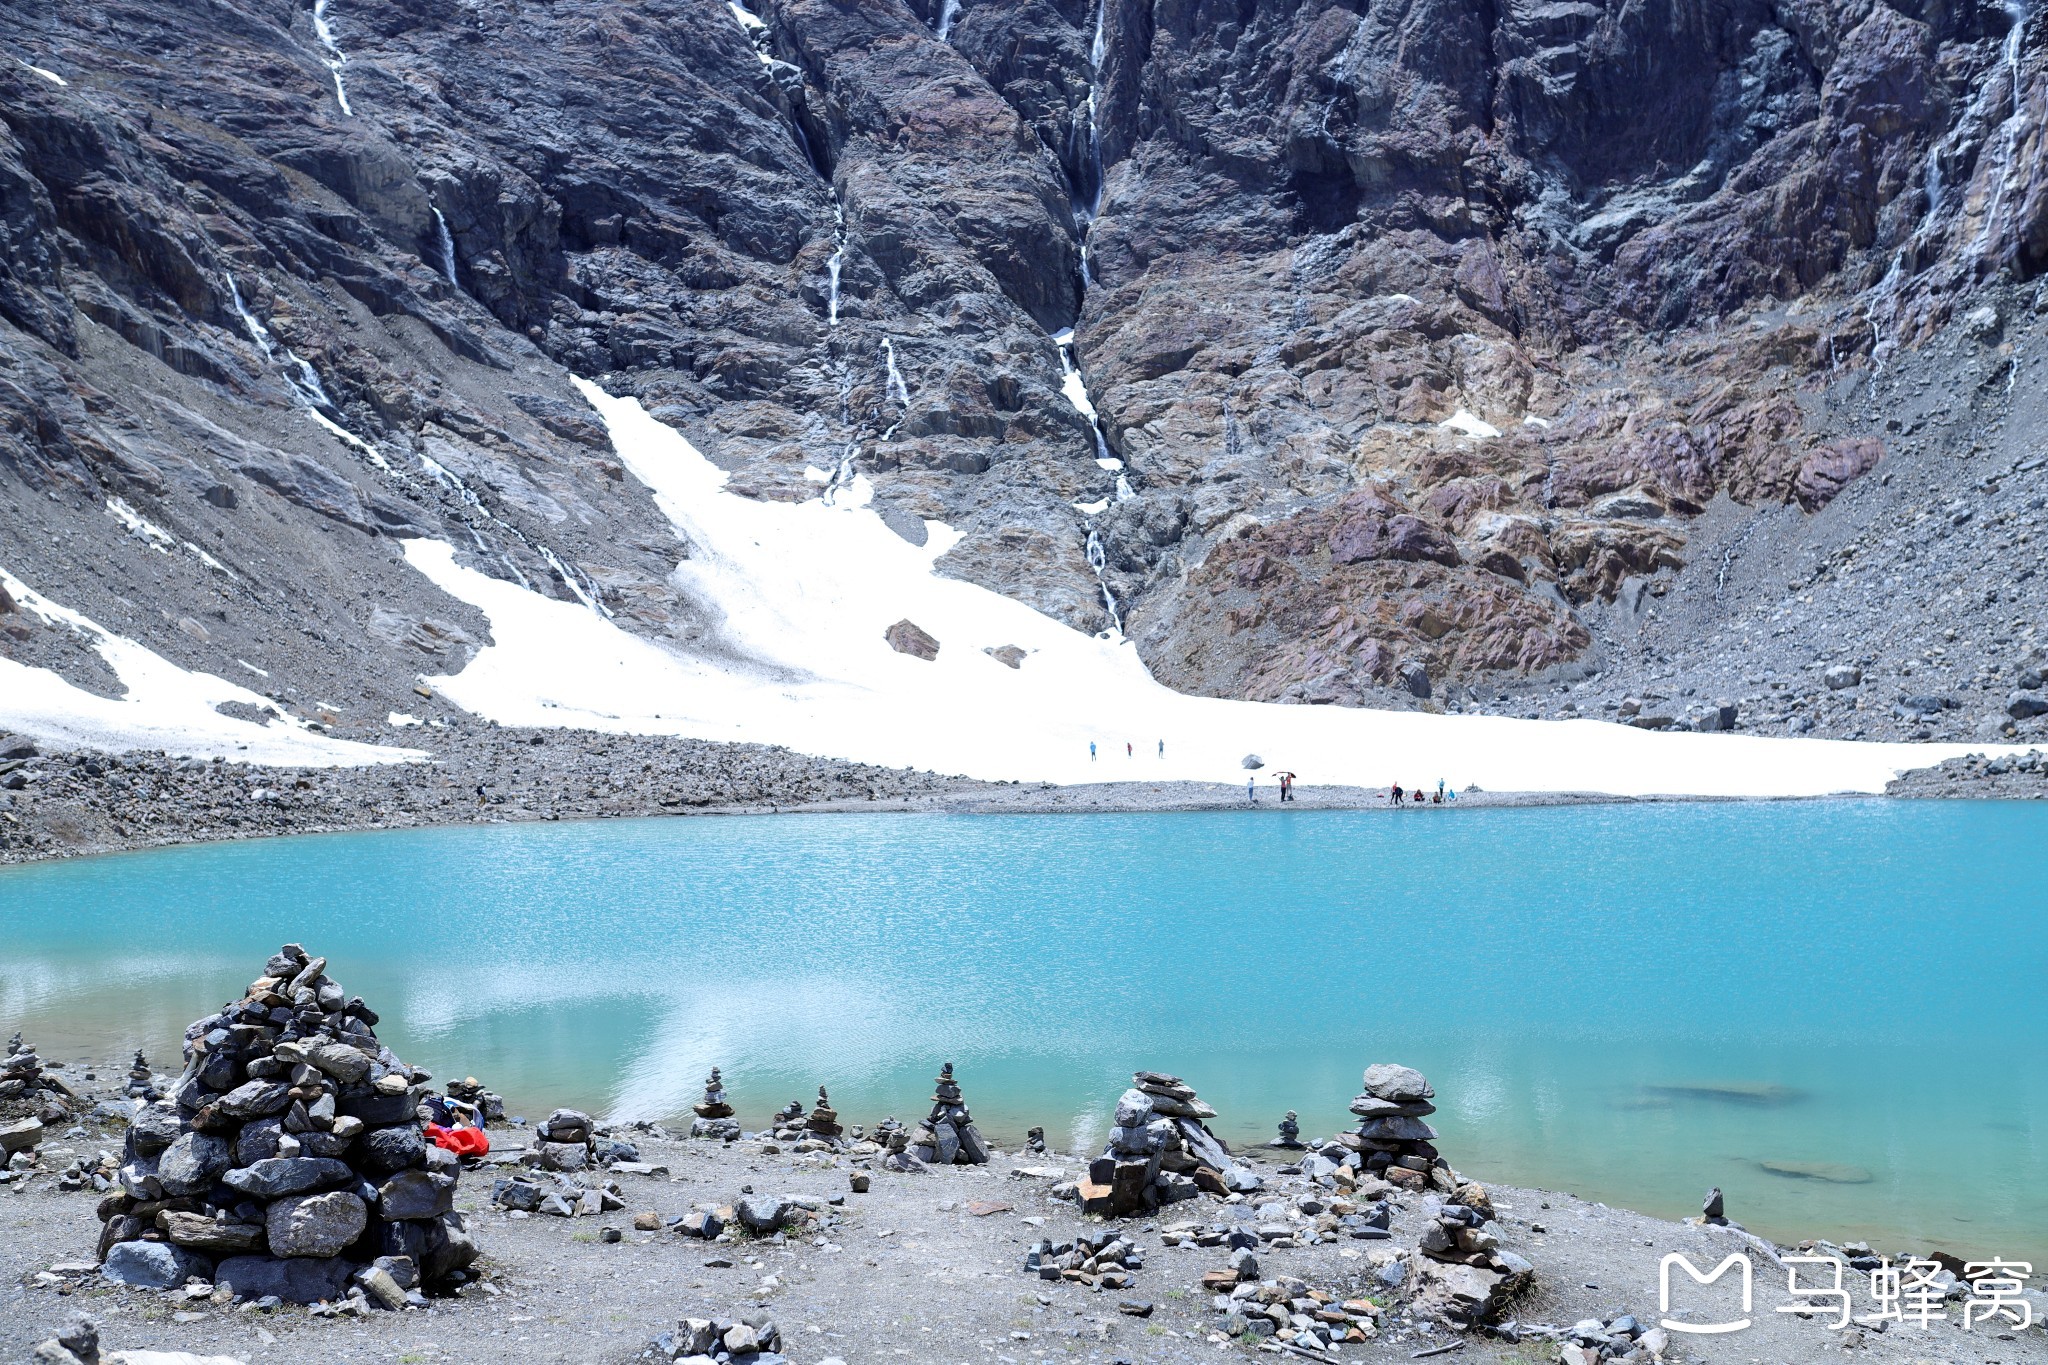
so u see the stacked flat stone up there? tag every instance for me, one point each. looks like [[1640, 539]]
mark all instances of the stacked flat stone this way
[[1391, 1140], [714, 1112], [1159, 1152], [1290, 1134], [288, 1159], [948, 1136]]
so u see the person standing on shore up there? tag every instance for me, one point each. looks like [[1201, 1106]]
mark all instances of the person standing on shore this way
[[1129, 752], [1162, 748], [1251, 790], [1396, 797], [1091, 751]]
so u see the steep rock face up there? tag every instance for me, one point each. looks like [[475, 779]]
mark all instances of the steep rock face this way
[[1423, 330]]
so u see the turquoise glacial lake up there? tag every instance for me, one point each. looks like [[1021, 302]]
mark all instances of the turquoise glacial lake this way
[[1835, 1011]]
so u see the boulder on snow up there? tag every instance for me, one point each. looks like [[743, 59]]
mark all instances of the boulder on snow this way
[[907, 637]]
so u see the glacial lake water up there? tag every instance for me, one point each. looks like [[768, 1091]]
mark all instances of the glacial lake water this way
[[1628, 1003]]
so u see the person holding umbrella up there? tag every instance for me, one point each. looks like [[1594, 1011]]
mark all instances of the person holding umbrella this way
[[1286, 786]]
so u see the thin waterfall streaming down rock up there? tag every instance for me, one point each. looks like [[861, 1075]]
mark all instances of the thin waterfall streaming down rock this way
[[1076, 391], [1098, 560], [300, 375], [837, 262], [258, 333], [897, 388], [447, 244], [948, 12], [2009, 140], [336, 59]]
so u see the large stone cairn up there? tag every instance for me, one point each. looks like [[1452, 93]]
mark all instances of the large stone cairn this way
[[1391, 1140], [948, 1136], [714, 1112], [1159, 1152], [288, 1159]]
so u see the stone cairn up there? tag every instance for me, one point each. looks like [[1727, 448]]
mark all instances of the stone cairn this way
[[29, 1099], [1465, 1275], [948, 1136], [787, 1124], [1034, 1142], [25, 1087], [565, 1140], [1392, 1140], [288, 1160], [1290, 1134], [823, 1124], [714, 1112], [141, 1081], [1159, 1152]]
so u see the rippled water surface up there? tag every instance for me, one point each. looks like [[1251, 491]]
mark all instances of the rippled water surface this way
[[1630, 1003]]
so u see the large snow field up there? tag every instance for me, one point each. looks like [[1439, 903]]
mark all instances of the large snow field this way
[[804, 592]]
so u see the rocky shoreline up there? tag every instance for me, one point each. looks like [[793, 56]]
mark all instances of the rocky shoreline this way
[[813, 1245], [63, 804]]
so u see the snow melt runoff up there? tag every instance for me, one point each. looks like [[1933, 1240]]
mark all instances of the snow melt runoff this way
[[805, 592]]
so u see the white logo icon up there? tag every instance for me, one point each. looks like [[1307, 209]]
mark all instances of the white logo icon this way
[[1735, 1259]]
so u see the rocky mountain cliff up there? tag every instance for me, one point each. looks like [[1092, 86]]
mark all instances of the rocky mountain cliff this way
[[1499, 355]]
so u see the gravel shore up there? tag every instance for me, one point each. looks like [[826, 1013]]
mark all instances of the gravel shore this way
[[923, 1267], [58, 804]]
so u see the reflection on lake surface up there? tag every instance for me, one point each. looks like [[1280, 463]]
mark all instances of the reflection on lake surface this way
[[1831, 1010]]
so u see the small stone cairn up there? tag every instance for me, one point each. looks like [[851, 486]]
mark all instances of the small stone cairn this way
[[1159, 1152], [27, 1101], [714, 1112], [288, 1159], [948, 1136], [1290, 1134], [1465, 1275], [141, 1080], [565, 1140], [823, 1123], [26, 1089], [788, 1123]]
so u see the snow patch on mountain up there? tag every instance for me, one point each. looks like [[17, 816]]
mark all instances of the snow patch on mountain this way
[[806, 593], [166, 707]]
